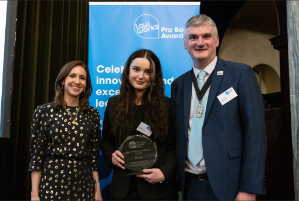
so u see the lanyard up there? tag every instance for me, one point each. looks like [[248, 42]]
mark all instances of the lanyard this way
[[201, 93]]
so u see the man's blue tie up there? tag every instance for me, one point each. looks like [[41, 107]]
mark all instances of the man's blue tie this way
[[195, 152]]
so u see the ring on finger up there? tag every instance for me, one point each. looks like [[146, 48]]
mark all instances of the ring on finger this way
[[150, 171]]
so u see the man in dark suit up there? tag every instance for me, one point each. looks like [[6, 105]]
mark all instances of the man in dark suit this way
[[219, 124]]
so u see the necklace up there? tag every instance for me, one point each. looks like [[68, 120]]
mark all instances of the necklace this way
[[74, 113]]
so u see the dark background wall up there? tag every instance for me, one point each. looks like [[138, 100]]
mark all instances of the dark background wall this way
[[48, 35]]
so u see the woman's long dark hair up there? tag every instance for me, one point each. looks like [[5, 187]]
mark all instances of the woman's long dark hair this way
[[59, 102], [154, 100]]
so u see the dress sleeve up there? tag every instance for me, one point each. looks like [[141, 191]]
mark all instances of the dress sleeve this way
[[170, 165], [95, 142], [39, 140], [107, 143]]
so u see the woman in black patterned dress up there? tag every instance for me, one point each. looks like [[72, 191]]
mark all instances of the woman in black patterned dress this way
[[65, 140]]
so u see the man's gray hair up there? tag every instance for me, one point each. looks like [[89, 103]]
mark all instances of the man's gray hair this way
[[198, 20]]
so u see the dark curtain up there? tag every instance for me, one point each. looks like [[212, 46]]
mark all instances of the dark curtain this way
[[48, 35]]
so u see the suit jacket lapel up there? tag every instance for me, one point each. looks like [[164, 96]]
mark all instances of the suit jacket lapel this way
[[187, 100], [216, 80]]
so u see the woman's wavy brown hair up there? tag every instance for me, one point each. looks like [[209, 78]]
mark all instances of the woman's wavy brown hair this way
[[154, 100], [59, 102]]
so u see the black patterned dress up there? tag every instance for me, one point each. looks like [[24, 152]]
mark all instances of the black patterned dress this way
[[65, 151]]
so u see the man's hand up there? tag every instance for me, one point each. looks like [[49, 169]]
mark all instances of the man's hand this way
[[245, 196]]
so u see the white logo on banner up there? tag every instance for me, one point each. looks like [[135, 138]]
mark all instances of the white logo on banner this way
[[147, 26]]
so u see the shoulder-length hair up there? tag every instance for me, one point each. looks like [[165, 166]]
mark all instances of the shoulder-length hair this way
[[59, 102], [153, 99]]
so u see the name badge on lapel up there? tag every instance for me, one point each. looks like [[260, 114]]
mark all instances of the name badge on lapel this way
[[227, 96], [145, 129]]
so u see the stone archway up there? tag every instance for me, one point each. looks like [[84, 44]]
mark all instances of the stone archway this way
[[268, 78]]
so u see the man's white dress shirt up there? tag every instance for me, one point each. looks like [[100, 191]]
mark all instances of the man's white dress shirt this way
[[200, 168]]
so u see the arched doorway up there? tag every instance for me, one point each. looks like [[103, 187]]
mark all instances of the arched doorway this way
[[268, 78]]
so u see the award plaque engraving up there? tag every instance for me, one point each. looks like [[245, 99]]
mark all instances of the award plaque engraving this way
[[140, 153]]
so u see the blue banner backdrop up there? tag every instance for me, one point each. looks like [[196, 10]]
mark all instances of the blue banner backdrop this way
[[117, 29]]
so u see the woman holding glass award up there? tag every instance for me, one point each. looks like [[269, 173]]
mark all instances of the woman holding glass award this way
[[140, 111]]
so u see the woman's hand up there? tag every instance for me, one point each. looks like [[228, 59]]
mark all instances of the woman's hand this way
[[34, 196], [97, 194], [97, 187], [117, 159], [153, 176], [35, 181]]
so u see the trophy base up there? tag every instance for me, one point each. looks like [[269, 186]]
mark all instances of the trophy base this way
[[135, 173]]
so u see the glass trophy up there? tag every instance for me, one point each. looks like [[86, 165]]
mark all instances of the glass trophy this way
[[140, 153]]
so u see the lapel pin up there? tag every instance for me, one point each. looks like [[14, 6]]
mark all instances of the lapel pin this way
[[219, 72]]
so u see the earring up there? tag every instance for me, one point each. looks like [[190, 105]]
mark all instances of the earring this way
[[61, 86]]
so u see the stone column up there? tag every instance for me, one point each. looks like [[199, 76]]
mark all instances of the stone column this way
[[293, 48]]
